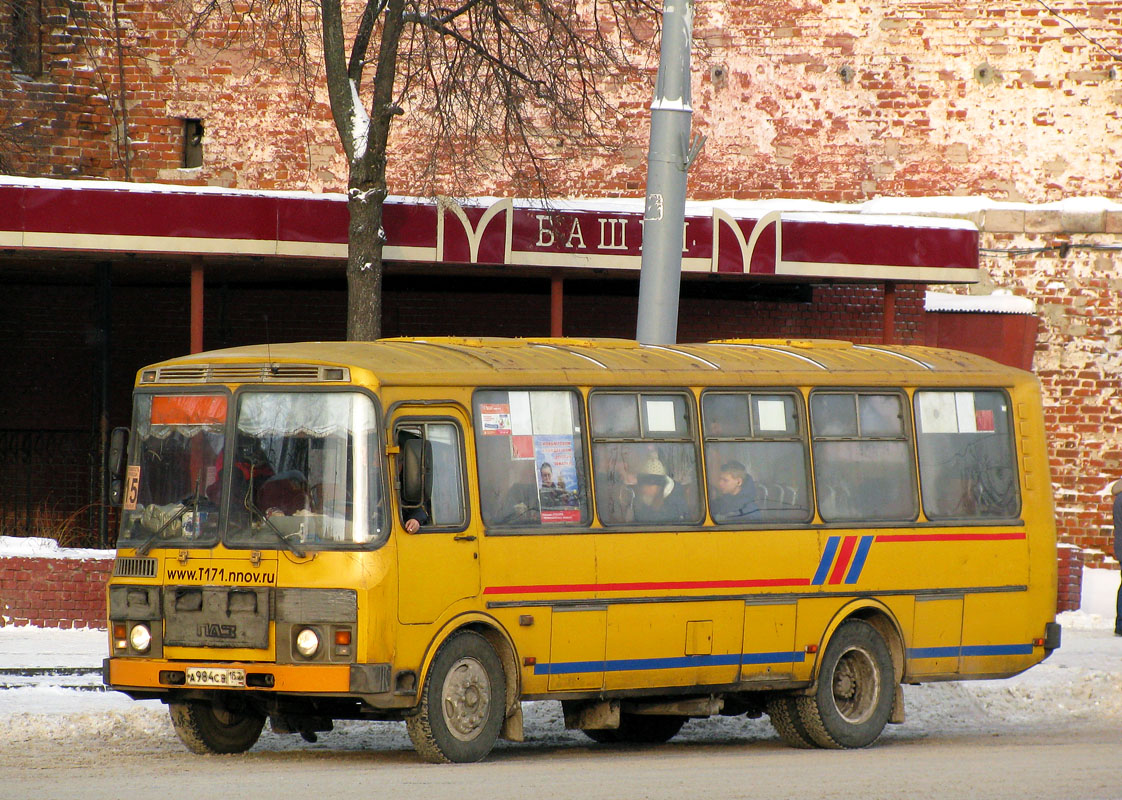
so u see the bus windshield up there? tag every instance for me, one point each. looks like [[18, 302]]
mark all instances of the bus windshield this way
[[173, 480], [303, 472]]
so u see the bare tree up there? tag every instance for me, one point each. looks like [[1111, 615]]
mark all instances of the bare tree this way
[[498, 82]]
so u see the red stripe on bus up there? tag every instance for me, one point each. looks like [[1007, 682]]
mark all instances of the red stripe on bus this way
[[653, 586], [848, 543], [949, 537]]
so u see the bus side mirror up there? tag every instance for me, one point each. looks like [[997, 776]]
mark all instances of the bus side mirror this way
[[416, 472], [118, 450]]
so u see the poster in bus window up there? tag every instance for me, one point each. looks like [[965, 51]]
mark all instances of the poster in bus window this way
[[555, 460], [494, 419]]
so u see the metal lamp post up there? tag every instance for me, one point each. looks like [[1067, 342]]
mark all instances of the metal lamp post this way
[[669, 156]]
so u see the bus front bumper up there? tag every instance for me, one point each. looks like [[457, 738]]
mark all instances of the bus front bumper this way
[[148, 675]]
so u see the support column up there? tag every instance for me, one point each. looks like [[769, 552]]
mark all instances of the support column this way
[[197, 305], [889, 334], [104, 297], [556, 306]]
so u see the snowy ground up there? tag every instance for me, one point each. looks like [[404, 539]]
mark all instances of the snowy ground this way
[[1080, 686]]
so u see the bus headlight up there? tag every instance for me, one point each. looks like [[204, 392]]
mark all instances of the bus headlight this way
[[307, 642], [140, 638]]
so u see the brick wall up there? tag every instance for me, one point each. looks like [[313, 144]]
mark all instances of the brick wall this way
[[833, 100], [1070, 574], [1068, 264], [54, 592]]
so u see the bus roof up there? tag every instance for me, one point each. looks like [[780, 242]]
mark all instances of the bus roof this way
[[496, 361]]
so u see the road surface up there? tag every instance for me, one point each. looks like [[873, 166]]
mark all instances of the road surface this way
[[715, 759], [1053, 732]]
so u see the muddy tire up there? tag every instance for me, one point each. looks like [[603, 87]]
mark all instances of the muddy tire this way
[[462, 702], [856, 687], [784, 716], [639, 729], [207, 730]]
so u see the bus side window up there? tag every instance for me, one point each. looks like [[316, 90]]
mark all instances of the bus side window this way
[[442, 505], [530, 450], [862, 457], [967, 460], [644, 457], [755, 458]]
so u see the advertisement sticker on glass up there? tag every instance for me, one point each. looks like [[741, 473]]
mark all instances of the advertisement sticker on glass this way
[[495, 419]]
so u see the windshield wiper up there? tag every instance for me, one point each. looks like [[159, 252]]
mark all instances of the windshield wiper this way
[[146, 545], [252, 508]]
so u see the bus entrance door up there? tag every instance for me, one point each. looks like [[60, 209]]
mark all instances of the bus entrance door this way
[[439, 563]]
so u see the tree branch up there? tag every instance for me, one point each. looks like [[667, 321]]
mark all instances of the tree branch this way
[[338, 80]]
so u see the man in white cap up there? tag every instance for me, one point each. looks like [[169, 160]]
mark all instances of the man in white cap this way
[[1116, 490]]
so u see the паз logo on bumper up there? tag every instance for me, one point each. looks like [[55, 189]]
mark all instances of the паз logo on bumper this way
[[212, 630]]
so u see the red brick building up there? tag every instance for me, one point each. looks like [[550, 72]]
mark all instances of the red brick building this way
[[832, 101]]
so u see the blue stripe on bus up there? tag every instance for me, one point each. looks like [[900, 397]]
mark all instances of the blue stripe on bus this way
[[826, 562], [674, 662], [997, 650], [859, 559], [933, 652], [971, 650]]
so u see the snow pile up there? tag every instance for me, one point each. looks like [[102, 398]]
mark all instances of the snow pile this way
[[29, 547]]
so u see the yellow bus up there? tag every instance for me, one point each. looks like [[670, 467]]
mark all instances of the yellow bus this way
[[435, 530]]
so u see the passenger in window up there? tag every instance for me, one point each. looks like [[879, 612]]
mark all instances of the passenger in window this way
[[616, 483], [736, 494], [659, 499], [251, 471], [653, 465], [520, 505], [415, 518], [285, 493]]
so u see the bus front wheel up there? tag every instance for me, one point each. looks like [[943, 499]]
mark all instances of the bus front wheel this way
[[207, 730], [856, 686], [462, 703]]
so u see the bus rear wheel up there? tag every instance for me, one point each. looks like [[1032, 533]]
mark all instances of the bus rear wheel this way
[[208, 730], [463, 702], [784, 715], [856, 687], [639, 729]]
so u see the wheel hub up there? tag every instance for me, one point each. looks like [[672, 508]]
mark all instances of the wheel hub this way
[[466, 699], [856, 685]]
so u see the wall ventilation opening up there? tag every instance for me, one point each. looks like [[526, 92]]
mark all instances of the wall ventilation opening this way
[[27, 37], [193, 132]]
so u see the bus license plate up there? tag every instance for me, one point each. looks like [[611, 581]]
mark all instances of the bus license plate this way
[[207, 676]]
